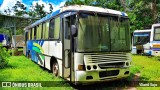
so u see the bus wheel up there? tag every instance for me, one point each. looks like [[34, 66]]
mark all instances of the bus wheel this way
[[55, 68]]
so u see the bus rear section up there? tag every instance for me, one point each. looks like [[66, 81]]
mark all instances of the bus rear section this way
[[141, 42]]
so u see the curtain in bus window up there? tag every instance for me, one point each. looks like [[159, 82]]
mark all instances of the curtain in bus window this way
[[40, 31], [46, 30], [114, 34], [157, 33], [119, 34], [29, 34], [44, 27], [93, 34], [67, 28], [32, 33], [57, 28]]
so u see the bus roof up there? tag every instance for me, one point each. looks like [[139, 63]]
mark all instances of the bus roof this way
[[155, 25], [77, 8], [145, 30]]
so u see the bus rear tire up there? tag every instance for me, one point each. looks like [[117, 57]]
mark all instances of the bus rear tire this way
[[55, 68]]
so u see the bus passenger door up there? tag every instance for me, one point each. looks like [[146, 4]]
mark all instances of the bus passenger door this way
[[67, 50]]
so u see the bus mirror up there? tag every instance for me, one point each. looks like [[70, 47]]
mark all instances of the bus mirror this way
[[73, 30]]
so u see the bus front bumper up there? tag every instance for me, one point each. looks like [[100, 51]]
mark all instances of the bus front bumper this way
[[101, 75]]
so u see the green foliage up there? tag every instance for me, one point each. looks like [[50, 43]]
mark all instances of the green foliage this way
[[37, 11], [147, 66], [50, 8], [143, 13], [19, 9], [4, 54], [5, 31]]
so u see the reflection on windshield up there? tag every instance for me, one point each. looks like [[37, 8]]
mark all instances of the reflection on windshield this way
[[98, 33], [141, 38]]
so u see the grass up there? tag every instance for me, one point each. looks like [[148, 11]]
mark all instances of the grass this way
[[21, 69], [149, 69]]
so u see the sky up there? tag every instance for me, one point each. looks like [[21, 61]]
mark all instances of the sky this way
[[5, 4]]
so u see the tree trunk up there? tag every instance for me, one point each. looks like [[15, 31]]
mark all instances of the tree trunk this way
[[154, 10]]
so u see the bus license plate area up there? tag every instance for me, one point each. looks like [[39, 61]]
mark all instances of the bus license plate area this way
[[108, 73]]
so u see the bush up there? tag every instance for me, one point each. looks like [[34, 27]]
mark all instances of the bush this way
[[4, 54]]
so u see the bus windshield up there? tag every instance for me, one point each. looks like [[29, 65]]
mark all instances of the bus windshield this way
[[141, 38], [103, 33]]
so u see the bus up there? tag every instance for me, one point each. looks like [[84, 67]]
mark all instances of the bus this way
[[147, 41], [81, 43], [141, 42], [155, 40]]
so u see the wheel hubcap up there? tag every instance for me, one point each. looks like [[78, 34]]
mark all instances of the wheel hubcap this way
[[55, 69]]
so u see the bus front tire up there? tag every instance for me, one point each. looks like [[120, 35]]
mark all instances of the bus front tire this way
[[55, 68]]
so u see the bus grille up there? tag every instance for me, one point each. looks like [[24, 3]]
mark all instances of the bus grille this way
[[108, 73], [107, 60]]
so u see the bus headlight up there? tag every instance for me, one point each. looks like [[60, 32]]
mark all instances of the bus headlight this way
[[89, 67], [127, 63], [94, 67]]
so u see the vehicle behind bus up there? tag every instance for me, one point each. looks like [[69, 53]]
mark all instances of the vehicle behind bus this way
[[82, 44], [155, 40], [4, 40], [141, 42]]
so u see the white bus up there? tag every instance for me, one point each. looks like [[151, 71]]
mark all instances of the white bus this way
[[155, 40], [141, 42], [81, 43], [147, 41]]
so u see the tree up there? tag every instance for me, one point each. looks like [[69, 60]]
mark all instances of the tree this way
[[143, 13], [50, 8], [19, 9], [7, 11], [37, 11], [78, 2]]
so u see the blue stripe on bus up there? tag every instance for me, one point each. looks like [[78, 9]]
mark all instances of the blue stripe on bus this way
[[156, 42], [155, 49], [141, 34], [46, 17]]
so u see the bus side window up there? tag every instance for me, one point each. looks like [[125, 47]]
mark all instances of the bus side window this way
[[47, 30], [31, 34], [35, 31], [67, 28], [57, 28], [40, 30], [26, 36], [51, 29], [37, 35], [44, 30]]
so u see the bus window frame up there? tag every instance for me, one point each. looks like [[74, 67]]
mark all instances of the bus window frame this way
[[155, 33]]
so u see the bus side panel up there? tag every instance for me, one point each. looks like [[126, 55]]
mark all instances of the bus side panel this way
[[55, 50], [155, 46], [134, 50], [35, 50]]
